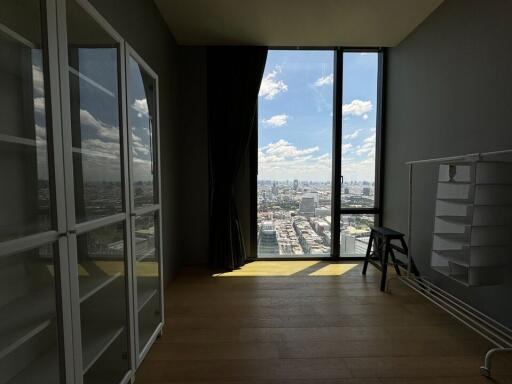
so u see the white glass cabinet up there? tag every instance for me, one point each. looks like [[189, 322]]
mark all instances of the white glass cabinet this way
[[142, 103], [81, 296]]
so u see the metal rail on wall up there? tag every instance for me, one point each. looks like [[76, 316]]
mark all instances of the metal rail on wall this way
[[493, 331]]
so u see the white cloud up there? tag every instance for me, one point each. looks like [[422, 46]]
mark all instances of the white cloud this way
[[324, 80], [359, 169], [282, 148], [103, 130], [40, 134], [368, 147], [277, 120], [139, 147], [357, 108], [38, 80], [345, 148], [353, 135], [141, 106], [270, 86], [39, 104], [282, 160], [365, 116]]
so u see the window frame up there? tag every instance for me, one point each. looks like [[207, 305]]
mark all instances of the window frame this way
[[337, 134]]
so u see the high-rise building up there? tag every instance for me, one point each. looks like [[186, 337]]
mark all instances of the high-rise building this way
[[307, 206], [267, 239]]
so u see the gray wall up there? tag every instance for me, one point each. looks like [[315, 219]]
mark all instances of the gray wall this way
[[193, 154], [449, 92], [140, 24]]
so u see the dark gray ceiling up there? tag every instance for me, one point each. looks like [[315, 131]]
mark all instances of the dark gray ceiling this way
[[294, 22]]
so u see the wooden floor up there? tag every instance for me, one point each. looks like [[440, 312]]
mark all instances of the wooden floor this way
[[309, 322]]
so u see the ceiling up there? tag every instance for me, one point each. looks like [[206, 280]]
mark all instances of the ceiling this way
[[290, 23]]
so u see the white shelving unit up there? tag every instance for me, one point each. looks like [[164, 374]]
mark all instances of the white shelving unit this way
[[473, 221]]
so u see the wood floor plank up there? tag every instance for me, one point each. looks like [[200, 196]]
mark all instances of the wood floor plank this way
[[303, 328]]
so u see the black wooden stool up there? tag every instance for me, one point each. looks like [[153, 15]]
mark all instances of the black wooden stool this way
[[381, 238]]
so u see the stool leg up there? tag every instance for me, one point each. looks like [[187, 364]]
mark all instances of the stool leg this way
[[384, 266], [393, 260], [368, 253]]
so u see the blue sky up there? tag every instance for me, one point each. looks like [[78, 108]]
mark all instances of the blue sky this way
[[295, 116]]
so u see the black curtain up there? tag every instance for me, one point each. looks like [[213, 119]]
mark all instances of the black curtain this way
[[233, 79]]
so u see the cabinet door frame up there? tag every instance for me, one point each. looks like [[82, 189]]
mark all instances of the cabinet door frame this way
[[56, 236], [73, 228], [156, 207]]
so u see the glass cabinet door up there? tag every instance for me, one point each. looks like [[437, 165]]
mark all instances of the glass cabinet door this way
[[31, 337], [103, 310], [99, 250], [147, 277], [29, 323], [25, 128], [142, 118]]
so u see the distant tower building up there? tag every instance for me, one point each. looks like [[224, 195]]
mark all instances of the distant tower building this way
[[267, 239], [315, 196], [295, 185], [307, 206], [275, 190], [346, 191], [366, 191]]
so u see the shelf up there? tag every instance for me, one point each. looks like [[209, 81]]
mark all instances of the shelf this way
[[44, 369], [88, 152], [30, 315], [144, 296], [91, 82], [146, 254], [460, 278], [453, 200], [461, 237], [456, 182], [146, 331], [91, 285], [20, 140], [465, 220], [96, 340]]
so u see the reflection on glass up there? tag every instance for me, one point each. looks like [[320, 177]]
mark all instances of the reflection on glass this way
[[359, 113], [25, 200], [104, 325], [94, 96], [355, 234], [147, 275], [28, 317], [141, 111], [294, 154]]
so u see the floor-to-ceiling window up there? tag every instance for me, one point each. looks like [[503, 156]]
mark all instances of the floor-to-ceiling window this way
[[318, 130], [295, 154], [358, 190]]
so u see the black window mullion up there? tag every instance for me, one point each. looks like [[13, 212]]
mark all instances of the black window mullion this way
[[336, 143], [379, 163]]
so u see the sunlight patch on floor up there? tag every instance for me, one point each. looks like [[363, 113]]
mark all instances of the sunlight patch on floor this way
[[269, 268], [333, 270]]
